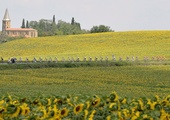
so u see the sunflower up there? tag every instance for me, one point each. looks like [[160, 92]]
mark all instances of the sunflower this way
[[156, 98], [147, 117], [2, 102], [124, 101], [55, 100], [151, 105], [126, 113], [59, 102], [1, 111], [85, 114], [25, 110], [78, 108], [119, 114], [96, 102], [48, 101], [44, 113], [136, 115], [92, 115], [64, 112], [113, 106], [87, 104], [56, 117], [141, 105], [113, 97], [16, 112], [55, 109], [166, 100], [164, 115], [108, 118]]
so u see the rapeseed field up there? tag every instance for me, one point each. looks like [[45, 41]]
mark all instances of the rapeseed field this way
[[120, 44]]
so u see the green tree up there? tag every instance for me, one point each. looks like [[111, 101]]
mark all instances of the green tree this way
[[94, 29], [100, 28], [23, 23], [27, 24], [49, 27], [72, 21], [54, 19]]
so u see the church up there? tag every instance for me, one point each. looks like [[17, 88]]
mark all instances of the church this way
[[16, 32]]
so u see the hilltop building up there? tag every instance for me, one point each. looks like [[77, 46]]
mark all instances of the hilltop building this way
[[16, 32]]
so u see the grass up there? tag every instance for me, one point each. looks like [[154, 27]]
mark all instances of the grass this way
[[69, 64], [27, 65], [136, 81], [121, 44]]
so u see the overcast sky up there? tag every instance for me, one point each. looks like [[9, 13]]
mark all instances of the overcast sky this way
[[120, 15]]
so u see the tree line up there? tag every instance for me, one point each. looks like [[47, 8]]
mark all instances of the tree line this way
[[50, 27]]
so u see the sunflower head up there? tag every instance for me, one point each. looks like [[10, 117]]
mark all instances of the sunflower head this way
[[113, 97], [59, 102], [64, 112], [78, 108], [95, 102], [15, 112]]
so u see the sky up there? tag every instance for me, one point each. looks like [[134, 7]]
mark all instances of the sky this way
[[119, 15]]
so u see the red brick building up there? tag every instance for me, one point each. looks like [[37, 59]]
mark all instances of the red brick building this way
[[16, 32]]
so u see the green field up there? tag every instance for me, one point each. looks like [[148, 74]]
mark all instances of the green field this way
[[85, 89], [121, 44], [135, 80], [132, 81]]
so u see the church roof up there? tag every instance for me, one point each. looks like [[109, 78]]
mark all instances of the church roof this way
[[6, 16], [20, 29]]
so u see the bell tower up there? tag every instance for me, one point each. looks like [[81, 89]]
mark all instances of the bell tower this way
[[6, 22]]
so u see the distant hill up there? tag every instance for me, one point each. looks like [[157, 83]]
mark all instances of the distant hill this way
[[121, 44]]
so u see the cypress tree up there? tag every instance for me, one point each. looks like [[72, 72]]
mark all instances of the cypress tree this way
[[23, 23], [27, 24], [54, 19], [72, 21]]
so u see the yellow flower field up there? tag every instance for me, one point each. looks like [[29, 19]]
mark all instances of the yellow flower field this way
[[121, 44], [131, 81], [110, 107]]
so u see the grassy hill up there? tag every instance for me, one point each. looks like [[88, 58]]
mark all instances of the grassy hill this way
[[121, 44]]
